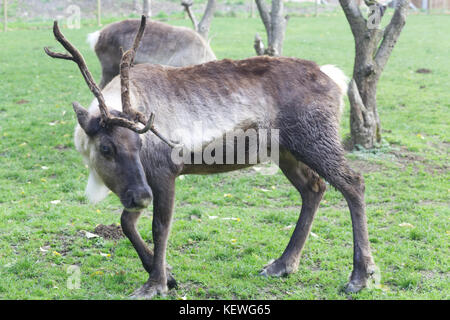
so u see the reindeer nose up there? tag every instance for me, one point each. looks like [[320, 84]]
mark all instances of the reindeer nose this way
[[138, 198]]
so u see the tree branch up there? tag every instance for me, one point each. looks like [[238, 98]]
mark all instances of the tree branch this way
[[205, 23], [265, 17], [258, 45], [187, 6], [278, 27], [391, 33], [354, 17], [362, 121]]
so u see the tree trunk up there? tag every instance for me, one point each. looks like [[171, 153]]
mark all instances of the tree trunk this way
[[146, 9], [205, 23], [275, 25], [370, 60]]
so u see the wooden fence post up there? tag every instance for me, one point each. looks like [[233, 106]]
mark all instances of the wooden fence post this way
[[99, 12], [5, 15]]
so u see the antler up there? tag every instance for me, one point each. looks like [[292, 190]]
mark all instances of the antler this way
[[125, 65], [76, 57]]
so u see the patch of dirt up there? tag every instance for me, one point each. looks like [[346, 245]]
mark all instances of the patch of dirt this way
[[405, 156], [22, 101], [431, 274], [365, 166], [61, 147], [111, 232], [423, 70]]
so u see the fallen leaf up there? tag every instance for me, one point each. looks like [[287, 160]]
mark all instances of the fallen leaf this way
[[227, 195], [44, 248], [44, 168], [107, 255], [56, 253], [212, 217], [406, 224], [231, 218], [314, 235], [90, 235], [55, 201]]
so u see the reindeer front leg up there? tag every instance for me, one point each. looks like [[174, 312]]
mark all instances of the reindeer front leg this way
[[128, 222], [163, 202]]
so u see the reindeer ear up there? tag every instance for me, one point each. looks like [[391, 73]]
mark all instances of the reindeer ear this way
[[82, 115]]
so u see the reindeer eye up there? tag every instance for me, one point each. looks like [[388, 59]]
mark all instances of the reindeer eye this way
[[105, 150]]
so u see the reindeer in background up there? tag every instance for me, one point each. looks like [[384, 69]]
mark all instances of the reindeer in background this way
[[162, 44]]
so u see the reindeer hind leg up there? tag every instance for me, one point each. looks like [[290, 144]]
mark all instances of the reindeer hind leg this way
[[314, 140], [311, 188]]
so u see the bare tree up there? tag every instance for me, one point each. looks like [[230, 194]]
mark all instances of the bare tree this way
[[146, 8], [275, 24], [373, 47], [203, 26]]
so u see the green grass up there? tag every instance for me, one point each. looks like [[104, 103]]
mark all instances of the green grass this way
[[407, 188]]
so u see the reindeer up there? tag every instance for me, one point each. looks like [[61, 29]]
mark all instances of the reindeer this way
[[162, 44], [123, 137]]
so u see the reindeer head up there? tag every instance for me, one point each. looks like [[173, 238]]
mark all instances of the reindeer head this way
[[113, 144]]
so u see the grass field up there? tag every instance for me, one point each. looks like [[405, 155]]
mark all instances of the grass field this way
[[43, 211]]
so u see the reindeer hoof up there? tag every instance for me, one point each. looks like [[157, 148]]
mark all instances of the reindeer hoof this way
[[359, 281], [276, 268], [354, 286], [148, 291]]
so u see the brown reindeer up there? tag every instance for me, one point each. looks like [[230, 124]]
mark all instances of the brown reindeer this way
[[162, 44], [294, 98]]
